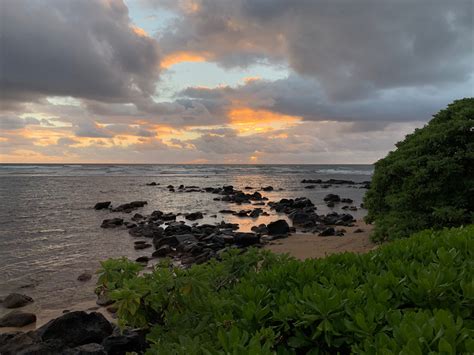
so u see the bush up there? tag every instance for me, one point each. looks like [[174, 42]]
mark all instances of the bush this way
[[413, 296], [428, 181]]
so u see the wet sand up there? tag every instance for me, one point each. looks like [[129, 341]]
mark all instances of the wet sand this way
[[308, 245]]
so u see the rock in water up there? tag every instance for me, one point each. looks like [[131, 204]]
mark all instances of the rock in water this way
[[332, 198], [76, 328], [279, 227], [16, 300], [102, 205], [111, 223], [17, 319]]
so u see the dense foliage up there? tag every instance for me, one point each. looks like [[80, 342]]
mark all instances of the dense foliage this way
[[428, 181], [413, 296]]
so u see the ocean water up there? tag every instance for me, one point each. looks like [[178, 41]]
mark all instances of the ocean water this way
[[50, 233]]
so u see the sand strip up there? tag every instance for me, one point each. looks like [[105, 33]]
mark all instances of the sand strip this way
[[308, 245]]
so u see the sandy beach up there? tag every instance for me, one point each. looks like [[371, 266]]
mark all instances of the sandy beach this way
[[308, 245]]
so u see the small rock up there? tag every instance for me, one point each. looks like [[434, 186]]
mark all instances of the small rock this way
[[103, 300], [86, 276], [332, 198], [141, 246], [162, 251], [111, 223], [16, 300], [102, 205], [142, 259], [152, 183], [358, 230], [17, 319], [194, 216], [267, 188], [329, 231]]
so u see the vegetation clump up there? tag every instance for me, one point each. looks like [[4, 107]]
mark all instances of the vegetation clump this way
[[428, 181], [413, 296]]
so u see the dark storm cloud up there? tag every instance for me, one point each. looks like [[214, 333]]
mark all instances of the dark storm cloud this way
[[304, 97], [353, 48], [85, 49]]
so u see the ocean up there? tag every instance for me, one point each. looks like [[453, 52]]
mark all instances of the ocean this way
[[50, 233]]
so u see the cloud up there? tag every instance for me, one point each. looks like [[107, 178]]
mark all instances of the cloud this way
[[12, 123], [84, 49], [352, 49], [91, 129], [304, 97]]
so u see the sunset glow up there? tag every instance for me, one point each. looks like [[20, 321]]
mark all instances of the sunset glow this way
[[223, 81]]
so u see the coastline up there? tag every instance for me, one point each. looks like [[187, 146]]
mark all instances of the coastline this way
[[299, 245]]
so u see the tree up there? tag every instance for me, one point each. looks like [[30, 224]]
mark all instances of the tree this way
[[428, 181]]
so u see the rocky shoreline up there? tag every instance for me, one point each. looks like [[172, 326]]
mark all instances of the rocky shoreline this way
[[179, 237]]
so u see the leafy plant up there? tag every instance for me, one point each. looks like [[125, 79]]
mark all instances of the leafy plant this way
[[412, 296], [428, 181]]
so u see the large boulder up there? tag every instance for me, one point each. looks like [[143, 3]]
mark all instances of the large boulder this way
[[16, 300], [76, 328], [279, 227]]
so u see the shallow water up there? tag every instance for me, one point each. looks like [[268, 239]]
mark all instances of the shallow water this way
[[49, 232]]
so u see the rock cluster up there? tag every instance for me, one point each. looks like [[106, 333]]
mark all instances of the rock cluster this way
[[330, 182], [302, 213], [16, 318], [74, 333]]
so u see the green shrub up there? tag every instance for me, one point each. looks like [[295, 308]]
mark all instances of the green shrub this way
[[428, 181], [413, 296]]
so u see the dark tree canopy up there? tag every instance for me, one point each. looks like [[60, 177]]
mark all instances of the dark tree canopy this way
[[428, 181]]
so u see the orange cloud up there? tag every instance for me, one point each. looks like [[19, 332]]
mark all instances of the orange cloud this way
[[139, 31], [249, 121], [180, 57], [250, 79]]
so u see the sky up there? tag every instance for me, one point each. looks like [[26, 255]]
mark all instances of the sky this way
[[226, 81]]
